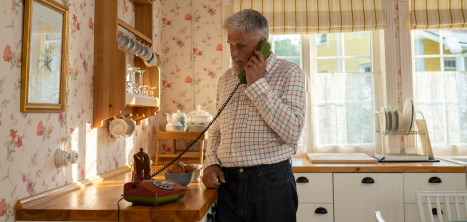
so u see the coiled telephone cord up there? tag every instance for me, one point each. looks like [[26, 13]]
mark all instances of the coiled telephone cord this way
[[196, 140]]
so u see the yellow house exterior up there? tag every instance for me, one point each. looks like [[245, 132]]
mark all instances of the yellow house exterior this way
[[427, 43], [355, 44]]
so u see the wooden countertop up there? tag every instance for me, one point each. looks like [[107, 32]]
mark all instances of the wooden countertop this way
[[98, 202], [303, 165]]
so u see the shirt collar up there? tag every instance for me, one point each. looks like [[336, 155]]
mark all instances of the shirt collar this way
[[271, 60]]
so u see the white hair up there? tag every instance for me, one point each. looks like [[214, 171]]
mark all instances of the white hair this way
[[248, 20]]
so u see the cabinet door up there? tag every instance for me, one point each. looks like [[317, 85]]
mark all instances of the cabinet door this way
[[318, 189], [425, 182], [412, 214], [307, 212], [356, 199]]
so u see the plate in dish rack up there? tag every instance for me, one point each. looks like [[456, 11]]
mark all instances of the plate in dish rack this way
[[409, 113]]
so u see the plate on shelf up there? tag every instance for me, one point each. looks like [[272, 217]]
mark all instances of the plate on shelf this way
[[383, 114], [409, 114]]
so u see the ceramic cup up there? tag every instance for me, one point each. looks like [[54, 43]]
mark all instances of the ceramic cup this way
[[62, 158], [74, 156], [131, 44], [130, 126], [123, 41], [140, 51], [197, 174], [136, 47], [148, 55], [118, 127], [145, 52], [152, 62]]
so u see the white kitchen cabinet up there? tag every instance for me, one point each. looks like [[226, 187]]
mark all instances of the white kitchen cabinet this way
[[411, 212], [308, 212], [356, 201], [318, 189], [432, 182]]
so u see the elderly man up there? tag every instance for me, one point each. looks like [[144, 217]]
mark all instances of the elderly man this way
[[250, 145]]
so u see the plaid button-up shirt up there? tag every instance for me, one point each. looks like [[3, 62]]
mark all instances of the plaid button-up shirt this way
[[262, 122]]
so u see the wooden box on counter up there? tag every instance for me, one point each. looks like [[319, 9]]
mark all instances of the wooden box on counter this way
[[110, 97]]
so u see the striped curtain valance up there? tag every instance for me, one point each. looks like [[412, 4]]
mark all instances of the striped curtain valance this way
[[318, 16], [439, 14]]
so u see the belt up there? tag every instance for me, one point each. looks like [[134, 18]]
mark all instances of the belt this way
[[236, 172]]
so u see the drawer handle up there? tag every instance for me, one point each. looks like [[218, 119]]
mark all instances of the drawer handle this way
[[435, 212], [434, 180], [368, 180], [321, 210], [210, 218], [302, 180]]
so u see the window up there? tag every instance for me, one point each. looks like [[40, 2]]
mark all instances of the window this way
[[440, 50], [344, 52], [440, 83], [344, 101], [343, 88], [286, 47], [321, 39]]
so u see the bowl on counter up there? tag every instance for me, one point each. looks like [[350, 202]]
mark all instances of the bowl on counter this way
[[181, 178]]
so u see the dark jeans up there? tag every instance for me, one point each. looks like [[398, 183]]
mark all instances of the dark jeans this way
[[258, 193]]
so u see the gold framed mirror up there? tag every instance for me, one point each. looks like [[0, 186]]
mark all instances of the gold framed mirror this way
[[45, 42]]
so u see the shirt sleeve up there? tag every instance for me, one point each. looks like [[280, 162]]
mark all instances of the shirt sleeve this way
[[214, 137], [284, 113]]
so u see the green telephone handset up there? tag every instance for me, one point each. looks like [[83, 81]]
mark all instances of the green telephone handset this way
[[264, 47]]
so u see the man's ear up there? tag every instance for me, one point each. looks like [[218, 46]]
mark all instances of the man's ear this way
[[263, 39]]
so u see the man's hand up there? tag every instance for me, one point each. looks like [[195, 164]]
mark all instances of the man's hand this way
[[211, 176], [256, 69]]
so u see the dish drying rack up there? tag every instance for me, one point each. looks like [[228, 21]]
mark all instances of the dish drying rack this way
[[401, 145]]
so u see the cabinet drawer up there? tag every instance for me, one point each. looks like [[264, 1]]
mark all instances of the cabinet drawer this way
[[358, 195], [306, 212], [412, 214], [314, 187], [430, 182]]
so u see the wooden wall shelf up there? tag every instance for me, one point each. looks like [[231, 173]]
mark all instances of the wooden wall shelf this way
[[110, 97], [141, 2], [135, 100], [137, 33]]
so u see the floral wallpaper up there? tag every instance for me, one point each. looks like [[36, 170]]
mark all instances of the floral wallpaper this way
[[189, 35], [28, 140]]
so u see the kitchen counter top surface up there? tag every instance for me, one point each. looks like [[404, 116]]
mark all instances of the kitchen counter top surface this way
[[301, 164], [98, 202]]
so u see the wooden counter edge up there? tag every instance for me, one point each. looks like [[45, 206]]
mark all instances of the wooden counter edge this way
[[379, 169], [54, 193]]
